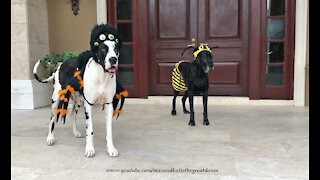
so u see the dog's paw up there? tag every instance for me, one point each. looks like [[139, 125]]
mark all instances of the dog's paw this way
[[173, 112], [90, 152], [186, 112], [206, 122], [50, 140], [192, 123], [113, 152], [77, 134]]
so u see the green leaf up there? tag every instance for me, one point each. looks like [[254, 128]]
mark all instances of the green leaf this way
[[50, 61]]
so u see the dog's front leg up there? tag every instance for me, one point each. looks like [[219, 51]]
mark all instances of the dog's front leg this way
[[89, 152], [205, 112], [191, 121], [112, 151]]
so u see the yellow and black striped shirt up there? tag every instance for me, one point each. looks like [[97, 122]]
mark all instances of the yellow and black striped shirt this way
[[178, 82]]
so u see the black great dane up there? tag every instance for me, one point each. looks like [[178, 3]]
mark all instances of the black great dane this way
[[192, 78]]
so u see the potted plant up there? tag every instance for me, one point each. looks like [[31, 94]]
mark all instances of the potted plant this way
[[51, 62]]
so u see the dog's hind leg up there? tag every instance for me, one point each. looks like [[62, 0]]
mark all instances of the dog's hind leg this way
[[184, 98], [50, 137], [76, 106], [175, 94]]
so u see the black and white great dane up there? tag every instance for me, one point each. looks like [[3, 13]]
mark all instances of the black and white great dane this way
[[97, 84]]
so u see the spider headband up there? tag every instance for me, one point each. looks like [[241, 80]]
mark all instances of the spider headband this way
[[197, 50], [104, 37], [104, 32]]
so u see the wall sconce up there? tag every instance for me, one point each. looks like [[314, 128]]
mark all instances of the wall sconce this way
[[75, 6]]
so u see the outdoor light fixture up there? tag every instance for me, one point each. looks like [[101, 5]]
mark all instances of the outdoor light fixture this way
[[75, 6]]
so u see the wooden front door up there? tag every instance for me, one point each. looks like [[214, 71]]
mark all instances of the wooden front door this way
[[277, 49], [173, 25]]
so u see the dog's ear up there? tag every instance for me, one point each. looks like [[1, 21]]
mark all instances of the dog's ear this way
[[83, 59]]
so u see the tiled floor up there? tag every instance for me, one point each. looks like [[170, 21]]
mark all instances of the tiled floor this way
[[242, 142]]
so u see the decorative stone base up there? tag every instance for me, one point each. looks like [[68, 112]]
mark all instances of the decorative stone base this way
[[30, 94]]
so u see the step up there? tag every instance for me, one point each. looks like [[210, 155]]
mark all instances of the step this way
[[212, 100]]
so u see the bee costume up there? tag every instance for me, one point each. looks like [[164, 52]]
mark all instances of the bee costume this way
[[178, 82]]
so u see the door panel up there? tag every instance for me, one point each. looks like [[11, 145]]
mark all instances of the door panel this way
[[169, 27], [172, 27], [219, 76], [225, 23], [223, 18]]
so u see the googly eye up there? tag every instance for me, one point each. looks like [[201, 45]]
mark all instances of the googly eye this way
[[117, 40], [207, 47], [96, 44], [110, 36], [102, 37], [201, 47]]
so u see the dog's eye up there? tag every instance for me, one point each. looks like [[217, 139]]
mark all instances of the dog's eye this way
[[106, 49], [116, 50]]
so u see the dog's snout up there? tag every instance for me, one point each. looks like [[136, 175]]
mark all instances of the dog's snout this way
[[211, 66], [113, 60]]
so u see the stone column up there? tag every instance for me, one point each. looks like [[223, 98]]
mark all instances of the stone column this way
[[300, 52], [29, 42]]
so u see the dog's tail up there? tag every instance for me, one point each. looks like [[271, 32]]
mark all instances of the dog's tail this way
[[36, 76]]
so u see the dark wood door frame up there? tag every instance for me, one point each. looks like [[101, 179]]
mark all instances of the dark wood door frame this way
[[254, 48], [143, 46], [285, 91], [256, 44], [141, 36]]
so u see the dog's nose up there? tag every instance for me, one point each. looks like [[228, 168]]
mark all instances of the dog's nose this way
[[113, 60]]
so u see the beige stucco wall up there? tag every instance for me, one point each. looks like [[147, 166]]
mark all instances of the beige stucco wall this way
[[68, 32]]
